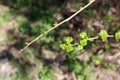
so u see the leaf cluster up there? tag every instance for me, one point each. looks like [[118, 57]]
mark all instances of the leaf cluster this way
[[84, 38]]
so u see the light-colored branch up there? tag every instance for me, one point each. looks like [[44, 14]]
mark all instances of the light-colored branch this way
[[93, 38], [96, 37], [66, 20]]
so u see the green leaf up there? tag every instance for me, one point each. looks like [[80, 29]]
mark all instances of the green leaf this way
[[109, 18], [100, 56], [87, 70], [98, 59], [69, 40], [103, 34], [117, 36], [83, 35], [69, 48], [77, 68], [80, 47], [110, 66], [83, 42], [63, 46], [90, 76], [46, 74], [80, 77]]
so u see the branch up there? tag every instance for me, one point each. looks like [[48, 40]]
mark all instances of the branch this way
[[57, 25]]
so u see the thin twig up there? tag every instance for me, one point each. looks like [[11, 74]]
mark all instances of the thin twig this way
[[66, 20], [96, 37], [110, 36], [75, 44], [93, 38]]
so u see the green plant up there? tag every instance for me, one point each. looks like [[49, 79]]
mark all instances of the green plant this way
[[5, 17], [67, 46], [85, 39], [117, 36], [80, 77], [46, 74], [103, 34], [81, 69], [109, 18], [98, 59], [57, 25], [18, 4], [110, 66]]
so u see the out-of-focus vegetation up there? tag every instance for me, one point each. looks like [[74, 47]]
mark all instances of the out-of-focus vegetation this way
[[44, 59]]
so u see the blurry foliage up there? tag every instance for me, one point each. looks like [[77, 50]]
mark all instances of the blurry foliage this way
[[117, 35], [109, 18], [108, 47], [22, 71], [82, 69], [5, 17], [110, 66], [39, 19], [46, 74], [17, 4], [98, 59]]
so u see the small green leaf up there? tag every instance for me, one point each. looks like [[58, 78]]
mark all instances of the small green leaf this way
[[87, 70], [69, 40], [110, 66], [83, 35], [63, 46], [98, 59], [100, 56], [117, 36], [77, 68], [80, 47], [83, 42], [80, 77], [90, 76], [69, 48], [103, 34]]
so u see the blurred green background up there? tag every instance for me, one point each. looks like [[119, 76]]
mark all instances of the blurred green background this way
[[23, 20]]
